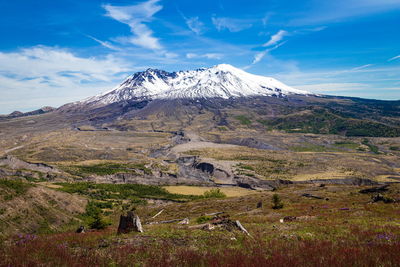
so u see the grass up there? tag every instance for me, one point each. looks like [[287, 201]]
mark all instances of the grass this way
[[344, 231], [13, 188], [346, 145], [200, 190], [107, 169], [309, 148], [243, 120], [372, 148], [134, 192]]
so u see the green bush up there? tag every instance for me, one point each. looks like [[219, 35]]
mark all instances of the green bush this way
[[371, 147], [276, 202], [243, 120], [93, 216], [203, 219], [214, 193]]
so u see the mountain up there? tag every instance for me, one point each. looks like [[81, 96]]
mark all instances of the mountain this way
[[17, 114], [221, 81]]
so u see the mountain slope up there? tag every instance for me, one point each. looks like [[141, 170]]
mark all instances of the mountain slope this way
[[221, 81]]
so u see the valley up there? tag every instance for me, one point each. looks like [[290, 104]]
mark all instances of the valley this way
[[291, 168]]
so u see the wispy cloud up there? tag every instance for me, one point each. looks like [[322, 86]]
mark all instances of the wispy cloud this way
[[394, 58], [195, 25], [362, 67], [105, 43], [371, 82], [58, 76], [259, 56], [230, 24], [207, 55], [136, 16], [276, 38], [333, 87]]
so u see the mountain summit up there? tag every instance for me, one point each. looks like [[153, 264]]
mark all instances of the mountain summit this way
[[221, 81]]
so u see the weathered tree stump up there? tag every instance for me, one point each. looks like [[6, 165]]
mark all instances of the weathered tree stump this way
[[129, 223], [80, 230]]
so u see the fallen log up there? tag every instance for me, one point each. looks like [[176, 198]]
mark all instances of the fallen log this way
[[311, 196], [168, 221], [161, 211], [242, 228], [214, 213]]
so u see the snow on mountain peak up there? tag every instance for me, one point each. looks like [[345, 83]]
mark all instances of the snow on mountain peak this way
[[220, 81]]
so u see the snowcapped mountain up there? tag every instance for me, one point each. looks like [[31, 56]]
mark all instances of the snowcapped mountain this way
[[221, 81]]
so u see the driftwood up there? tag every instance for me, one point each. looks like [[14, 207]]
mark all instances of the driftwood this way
[[161, 211], [129, 223], [221, 222], [184, 221], [168, 221], [242, 228], [214, 213]]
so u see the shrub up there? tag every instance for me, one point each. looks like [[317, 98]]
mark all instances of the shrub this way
[[98, 222], [203, 219], [276, 202], [243, 120], [214, 193], [93, 216]]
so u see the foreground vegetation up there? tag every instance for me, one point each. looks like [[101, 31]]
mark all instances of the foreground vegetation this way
[[343, 228]]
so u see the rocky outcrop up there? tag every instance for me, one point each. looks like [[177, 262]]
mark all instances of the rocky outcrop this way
[[15, 164], [344, 181]]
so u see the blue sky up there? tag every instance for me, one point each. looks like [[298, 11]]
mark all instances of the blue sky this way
[[54, 52]]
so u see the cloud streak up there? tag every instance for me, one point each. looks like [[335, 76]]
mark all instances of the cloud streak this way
[[259, 56], [276, 38], [230, 24], [105, 43], [207, 55], [394, 58]]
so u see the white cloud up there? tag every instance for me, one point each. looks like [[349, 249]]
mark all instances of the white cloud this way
[[105, 43], [230, 24], [52, 76], [136, 16], [362, 67], [276, 38], [207, 55], [195, 25], [259, 56], [394, 58], [333, 87]]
